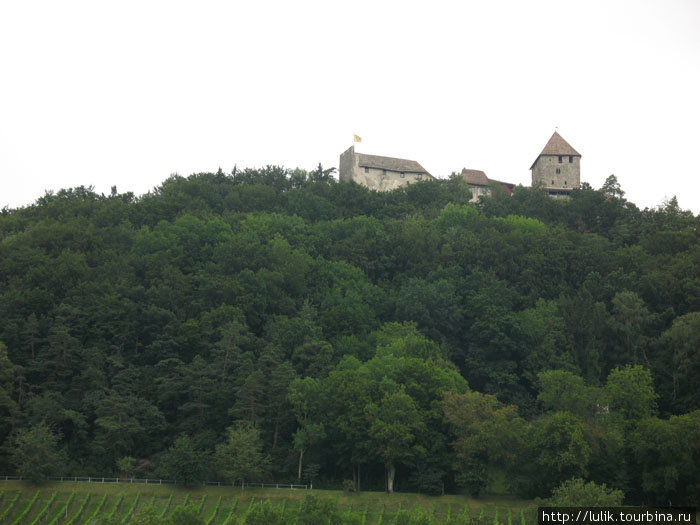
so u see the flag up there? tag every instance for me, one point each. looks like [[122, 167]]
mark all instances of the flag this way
[[356, 138]]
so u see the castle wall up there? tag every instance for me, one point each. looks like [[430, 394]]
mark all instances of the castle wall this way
[[373, 178], [384, 180], [346, 167], [478, 191], [544, 172]]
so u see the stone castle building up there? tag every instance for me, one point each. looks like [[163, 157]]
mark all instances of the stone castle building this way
[[379, 173], [557, 169]]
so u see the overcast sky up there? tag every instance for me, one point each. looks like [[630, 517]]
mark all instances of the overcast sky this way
[[126, 93]]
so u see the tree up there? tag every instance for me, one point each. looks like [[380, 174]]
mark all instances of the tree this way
[[126, 466], [576, 492], [394, 423], [124, 424], [665, 456], [488, 436], [305, 396], [612, 187], [8, 406], [241, 458], [631, 393], [37, 455], [559, 451], [679, 356], [561, 390], [629, 322], [184, 462]]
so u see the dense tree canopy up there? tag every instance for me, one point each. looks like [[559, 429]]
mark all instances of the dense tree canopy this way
[[389, 338]]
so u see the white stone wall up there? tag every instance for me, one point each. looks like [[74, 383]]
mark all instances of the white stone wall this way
[[346, 167], [477, 191], [373, 178], [384, 180], [544, 172]]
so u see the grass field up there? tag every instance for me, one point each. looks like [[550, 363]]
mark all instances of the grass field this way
[[77, 503]]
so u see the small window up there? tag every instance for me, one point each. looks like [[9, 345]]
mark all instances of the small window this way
[[366, 170], [560, 159], [552, 182], [558, 171], [571, 159], [420, 176], [564, 183], [384, 172], [403, 175]]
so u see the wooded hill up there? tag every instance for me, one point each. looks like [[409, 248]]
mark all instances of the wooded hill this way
[[271, 324]]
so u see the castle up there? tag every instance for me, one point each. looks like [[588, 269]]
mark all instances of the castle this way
[[556, 170], [379, 173]]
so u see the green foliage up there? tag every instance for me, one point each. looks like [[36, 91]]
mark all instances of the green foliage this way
[[37, 454], [576, 492], [561, 390], [25, 511], [61, 509], [39, 516], [417, 516], [318, 511], [631, 392], [560, 451], [184, 462], [131, 509], [147, 516], [455, 216], [125, 466], [79, 512], [487, 435], [666, 452], [241, 458], [166, 507], [185, 515], [264, 514], [331, 319], [99, 509]]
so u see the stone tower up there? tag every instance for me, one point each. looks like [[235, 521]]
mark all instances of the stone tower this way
[[558, 168]]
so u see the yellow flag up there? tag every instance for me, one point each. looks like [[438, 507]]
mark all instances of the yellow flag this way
[[356, 138]]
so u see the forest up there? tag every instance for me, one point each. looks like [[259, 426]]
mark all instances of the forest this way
[[278, 325]]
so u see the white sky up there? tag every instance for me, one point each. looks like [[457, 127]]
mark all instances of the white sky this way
[[126, 93]]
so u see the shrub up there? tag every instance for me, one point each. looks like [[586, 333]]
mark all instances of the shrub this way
[[577, 492]]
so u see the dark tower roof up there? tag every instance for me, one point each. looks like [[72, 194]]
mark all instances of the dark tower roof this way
[[557, 146]]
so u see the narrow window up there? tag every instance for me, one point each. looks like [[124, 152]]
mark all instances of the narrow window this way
[[571, 159], [552, 182], [403, 175], [366, 170], [384, 172], [564, 183], [560, 159], [558, 171]]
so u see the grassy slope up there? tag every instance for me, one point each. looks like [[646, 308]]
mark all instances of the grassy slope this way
[[373, 500]]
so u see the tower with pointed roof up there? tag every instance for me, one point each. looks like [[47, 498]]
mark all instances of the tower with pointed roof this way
[[558, 168]]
